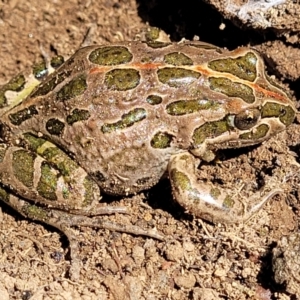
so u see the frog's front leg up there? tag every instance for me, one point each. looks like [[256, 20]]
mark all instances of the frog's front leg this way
[[209, 202]]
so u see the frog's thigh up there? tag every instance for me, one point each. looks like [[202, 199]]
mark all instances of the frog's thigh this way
[[36, 178], [209, 202]]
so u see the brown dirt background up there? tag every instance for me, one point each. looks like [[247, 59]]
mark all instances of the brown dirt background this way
[[198, 260]]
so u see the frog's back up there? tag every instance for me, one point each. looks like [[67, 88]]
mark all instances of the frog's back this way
[[122, 110]]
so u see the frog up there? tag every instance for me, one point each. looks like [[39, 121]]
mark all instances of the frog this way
[[116, 118]]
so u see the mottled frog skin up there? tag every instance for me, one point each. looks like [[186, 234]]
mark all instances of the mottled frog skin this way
[[116, 118]]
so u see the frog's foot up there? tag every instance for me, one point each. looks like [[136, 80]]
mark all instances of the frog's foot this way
[[63, 221], [208, 202]]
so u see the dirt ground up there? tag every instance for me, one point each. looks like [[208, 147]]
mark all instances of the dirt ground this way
[[197, 260]]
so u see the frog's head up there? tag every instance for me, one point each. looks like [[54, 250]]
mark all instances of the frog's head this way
[[255, 108]]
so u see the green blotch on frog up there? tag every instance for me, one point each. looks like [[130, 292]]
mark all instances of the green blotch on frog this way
[[78, 115], [184, 107], [16, 84], [178, 59], [154, 99], [210, 130], [232, 89], [161, 140], [243, 67], [127, 120], [259, 133], [286, 114], [23, 166], [122, 79], [55, 126], [177, 77], [23, 115], [110, 56], [73, 88], [47, 184]]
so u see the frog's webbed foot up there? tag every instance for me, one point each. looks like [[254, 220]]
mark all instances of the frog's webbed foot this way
[[63, 221], [209, 202]]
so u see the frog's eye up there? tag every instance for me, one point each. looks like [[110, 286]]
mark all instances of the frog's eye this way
[[247, 119]]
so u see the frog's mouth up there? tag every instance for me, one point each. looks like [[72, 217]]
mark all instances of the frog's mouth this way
[[249, 127]]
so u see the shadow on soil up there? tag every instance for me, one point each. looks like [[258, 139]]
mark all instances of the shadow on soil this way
[[189, 18]]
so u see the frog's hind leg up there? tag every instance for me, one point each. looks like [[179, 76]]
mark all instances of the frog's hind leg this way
[[45, 215], [63, 221], [43, 173], [207, 201]]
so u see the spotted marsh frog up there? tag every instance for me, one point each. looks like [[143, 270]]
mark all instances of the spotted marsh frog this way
[[116, 118]]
